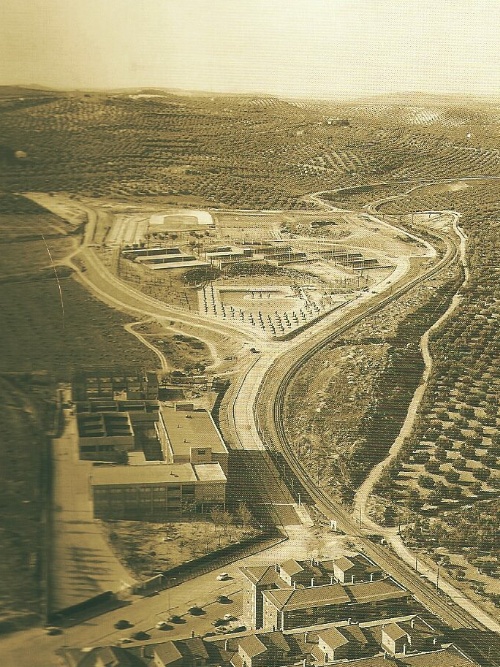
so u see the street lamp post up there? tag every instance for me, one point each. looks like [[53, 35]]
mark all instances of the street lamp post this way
[[168, 593]]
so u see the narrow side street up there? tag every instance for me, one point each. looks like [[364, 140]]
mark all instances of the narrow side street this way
[[82, 564]]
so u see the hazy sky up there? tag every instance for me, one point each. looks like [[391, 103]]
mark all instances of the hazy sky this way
[[319, 48]]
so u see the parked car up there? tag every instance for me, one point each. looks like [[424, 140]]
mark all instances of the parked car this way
[[122, 624], [229, 617], [163, 625], [196, 611], [125, 640], [223, 576], [218, 622], [223, 599], [238, 628], [176, 619], [53, 630]]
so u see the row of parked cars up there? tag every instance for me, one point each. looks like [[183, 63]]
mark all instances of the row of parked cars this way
[[221, 625]]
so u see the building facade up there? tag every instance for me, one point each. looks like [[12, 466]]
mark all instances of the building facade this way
[[156, 492]]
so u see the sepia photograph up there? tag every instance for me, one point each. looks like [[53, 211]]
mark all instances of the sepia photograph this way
[[250, 333]]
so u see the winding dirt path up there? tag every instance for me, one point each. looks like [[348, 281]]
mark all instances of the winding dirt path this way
[[365, 490], [131, 329]]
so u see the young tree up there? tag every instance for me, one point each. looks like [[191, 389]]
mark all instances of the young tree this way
[[244, 515]]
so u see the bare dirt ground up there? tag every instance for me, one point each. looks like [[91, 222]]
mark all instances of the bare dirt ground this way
[[146, 547], [62, 205], [340, 385], [183, 352]]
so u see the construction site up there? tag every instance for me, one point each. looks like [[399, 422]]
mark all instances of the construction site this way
[[269, 273]]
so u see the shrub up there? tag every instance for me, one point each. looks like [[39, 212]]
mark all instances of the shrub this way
[[421, 456], [460, 464], [482, 474], [425, 481], [432, 467], [452, 476]]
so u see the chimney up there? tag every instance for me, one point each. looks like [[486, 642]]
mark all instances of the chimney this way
[[294, 585], [312, 582], [331, 579], [226, 643], [306, 635], [412, 623]]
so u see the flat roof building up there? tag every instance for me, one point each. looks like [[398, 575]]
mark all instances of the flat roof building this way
[[102, 435], [156, 491], [189, 435], [113, 384]]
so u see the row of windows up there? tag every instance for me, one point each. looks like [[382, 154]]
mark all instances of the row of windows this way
[[97, 448], [146, 490]]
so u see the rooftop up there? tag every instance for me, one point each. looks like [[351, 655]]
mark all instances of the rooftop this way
[[104, 424], [394, 631], [137, 459], [302, 598], [289, 599], [168, 652], [191, 428], [252, 645], [108, 655], [358, 561], [385, 589], [291, 567], [177, 265], [449, 657], [209, 472], [333, 637], [155, 473], [262, 574]]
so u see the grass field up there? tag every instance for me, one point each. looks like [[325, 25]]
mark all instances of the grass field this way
[[31, 256], [38, 331]]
